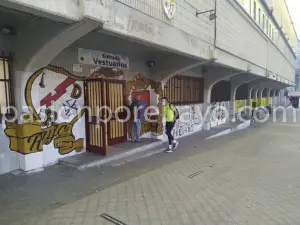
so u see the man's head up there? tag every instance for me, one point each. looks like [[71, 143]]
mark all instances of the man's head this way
[[164, 100], [138, 97]]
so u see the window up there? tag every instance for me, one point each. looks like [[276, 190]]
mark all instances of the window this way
[[254, 10], [270, 30], [267, 26], [184, 90], [5, 84], [263, 22], [259, 17]]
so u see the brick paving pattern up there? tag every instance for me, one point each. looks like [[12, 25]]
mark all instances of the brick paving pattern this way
[[253, 180]]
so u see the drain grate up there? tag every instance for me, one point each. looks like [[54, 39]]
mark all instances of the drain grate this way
[[112, 219], [196, 174]]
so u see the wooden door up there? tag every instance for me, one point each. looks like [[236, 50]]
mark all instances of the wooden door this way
[[115, 98], [96, 129]]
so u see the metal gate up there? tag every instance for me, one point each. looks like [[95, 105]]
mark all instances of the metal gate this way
[[96, 127], [117, 129]]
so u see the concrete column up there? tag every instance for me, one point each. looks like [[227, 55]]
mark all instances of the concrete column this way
[[272, 95]]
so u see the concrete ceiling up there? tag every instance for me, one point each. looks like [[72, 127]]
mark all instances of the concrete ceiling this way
[[14, 18], [120, 45]]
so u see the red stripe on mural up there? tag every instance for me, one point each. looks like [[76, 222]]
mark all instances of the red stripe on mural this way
[[60, 90]]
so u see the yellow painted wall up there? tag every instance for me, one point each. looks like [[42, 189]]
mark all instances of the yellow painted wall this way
[[283, 18], [239, 104], [252, 100]]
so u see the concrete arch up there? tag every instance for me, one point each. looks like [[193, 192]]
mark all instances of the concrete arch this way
[[265, 92], [241, 92], [256, 91], [215, 75], [180, 67], [48, 50], [238, 81], [272, 92], [221, 91], [252, 93]]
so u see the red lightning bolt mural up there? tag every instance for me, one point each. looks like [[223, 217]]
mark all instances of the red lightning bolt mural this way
[[60, 90]]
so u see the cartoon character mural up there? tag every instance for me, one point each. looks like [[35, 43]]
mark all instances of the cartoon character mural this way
[[142, 84], [54, 98]]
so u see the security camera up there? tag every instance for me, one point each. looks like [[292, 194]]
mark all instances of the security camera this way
[[8, 30], [151, 64]]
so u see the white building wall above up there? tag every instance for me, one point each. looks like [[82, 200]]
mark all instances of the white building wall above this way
[[234, 32]]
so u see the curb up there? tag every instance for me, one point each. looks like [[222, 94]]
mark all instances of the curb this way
[[101, 162], [159, 145], [241, 126]]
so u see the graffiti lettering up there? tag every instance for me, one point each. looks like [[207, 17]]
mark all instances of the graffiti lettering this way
[[76, 93], [70, 108], [189, 121], [61, 134]]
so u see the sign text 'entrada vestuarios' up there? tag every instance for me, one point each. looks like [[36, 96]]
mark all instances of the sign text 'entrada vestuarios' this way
[[102, 59]]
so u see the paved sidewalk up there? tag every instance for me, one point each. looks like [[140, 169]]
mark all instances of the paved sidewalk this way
[[25, 196], [252, 179]]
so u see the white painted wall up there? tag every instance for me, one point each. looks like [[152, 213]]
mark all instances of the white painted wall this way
[[240, 39], [9, 160], [66, 10], [190, 121]]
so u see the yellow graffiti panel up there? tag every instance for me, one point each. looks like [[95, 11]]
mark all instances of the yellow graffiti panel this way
[[30, 136], [239, 104]]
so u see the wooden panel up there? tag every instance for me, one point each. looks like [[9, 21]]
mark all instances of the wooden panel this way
[[95, 131], [115, 97]]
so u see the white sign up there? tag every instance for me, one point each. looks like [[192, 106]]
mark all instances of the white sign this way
[[102, 59], [77, 68], [169, 8]]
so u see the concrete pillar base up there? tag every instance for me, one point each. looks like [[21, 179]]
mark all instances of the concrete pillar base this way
[[31, 162], [206, 126]]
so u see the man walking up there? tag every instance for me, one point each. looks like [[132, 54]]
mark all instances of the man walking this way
[[170, 114], [136, 116]]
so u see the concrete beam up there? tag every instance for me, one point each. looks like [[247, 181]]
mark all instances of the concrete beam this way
[[47, 51], [177, 68], [215, 75]]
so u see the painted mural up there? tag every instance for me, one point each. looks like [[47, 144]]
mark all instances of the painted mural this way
[[219, 113], [54, 98], [141, 84], [107, 73], [144, 101], [190, 120], [239, 111]]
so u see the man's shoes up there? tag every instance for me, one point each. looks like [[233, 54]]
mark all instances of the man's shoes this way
[[169, 150], [175, 145]]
